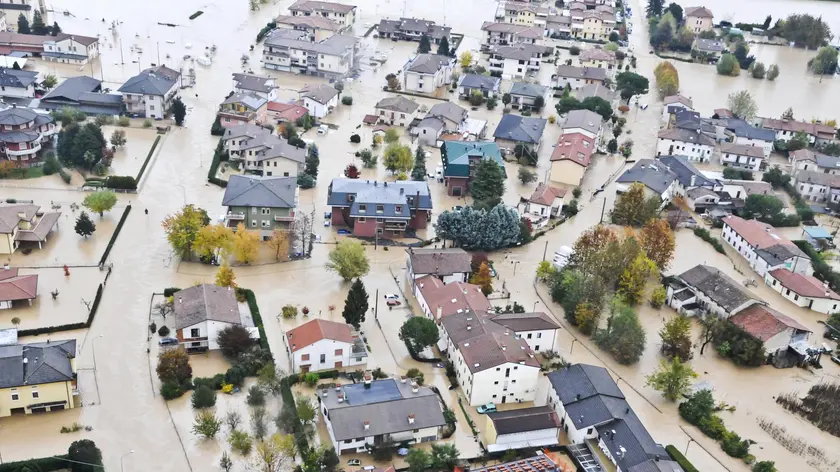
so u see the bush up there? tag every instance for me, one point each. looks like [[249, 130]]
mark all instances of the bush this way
[[347, 100], [203, 397], [305, 181], [310, 378], [355, 139], [236, 375], [704, 234], [123, 121], [256, 396], [677, 456], [574, 50], [146, 162], [168, 292], [170, 390], [124, 182], [51, 165], [114, 235], [163, 331], [240, 442], [233, 340], [147, 123], [65, 176], [416, 375]]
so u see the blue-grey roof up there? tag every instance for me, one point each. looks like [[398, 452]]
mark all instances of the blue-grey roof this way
[[647, 172], [482, 82], [817, 232], [591, 397], [686, 173], [83, 93], [520, 129], [255, 191], [742, 129], [36, 363], [409, 195], [528, 90], [152, 81], [248, 99], [17, 78]]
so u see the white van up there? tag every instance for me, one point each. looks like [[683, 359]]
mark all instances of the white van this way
[[323, 129]]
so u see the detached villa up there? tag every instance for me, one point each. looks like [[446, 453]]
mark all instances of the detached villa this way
[[379, 209], [425, 73], [261, 203], [460, 159], [37, 377], [24, 224], [324, 345], [202, 312], [151, 92], [262, 152]]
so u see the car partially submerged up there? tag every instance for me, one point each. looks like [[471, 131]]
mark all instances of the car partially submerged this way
[[488, 408]]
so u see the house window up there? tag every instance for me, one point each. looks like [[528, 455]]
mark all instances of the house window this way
[[362, 208], [35, 393], [339, 352], [265, 211], [15, 395], [398, 209], [253, 223], [589, 431], [323, 358], [348, 441], [361, 220], [529, 335], [266, 224], [380, 208], [304, 357], [254, 210], [195, 332], [496, 383], [152, 107], [539, 335], [494, 396]]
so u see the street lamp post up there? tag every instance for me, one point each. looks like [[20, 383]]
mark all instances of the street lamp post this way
[[123, 457], [95, 372], [515, 263], [571, 349], [535, 306], [690, 440]]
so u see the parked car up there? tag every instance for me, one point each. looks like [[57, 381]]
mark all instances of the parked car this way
[[835, 359], [343, 231], [167, 341], [354, 462], [391, 296], [323, 129], [327, 215], [457, 208], [488, 408], [393, 303]]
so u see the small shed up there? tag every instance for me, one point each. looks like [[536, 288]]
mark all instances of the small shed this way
[[818, 237]]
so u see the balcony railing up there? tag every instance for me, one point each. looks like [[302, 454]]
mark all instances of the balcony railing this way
[[235, 216], [289, 218], [24, 152]]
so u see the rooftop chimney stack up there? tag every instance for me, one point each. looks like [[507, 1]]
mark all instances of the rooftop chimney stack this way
[[411, 418], [367, 425]]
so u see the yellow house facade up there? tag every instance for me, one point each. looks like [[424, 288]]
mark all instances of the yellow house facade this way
[[37, 377]]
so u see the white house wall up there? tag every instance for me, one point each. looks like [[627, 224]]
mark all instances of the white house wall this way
[[693, 151], [539, 340], [325, 347], [767, 147], [489, 385], [821, 305]]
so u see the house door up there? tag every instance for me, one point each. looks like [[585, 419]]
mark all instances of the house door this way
[[304, 368], [810, 303], [504, 398], [339, 365]]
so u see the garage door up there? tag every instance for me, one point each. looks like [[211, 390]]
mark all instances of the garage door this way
[[42, 409]]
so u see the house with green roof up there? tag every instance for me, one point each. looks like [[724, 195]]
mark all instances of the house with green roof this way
[[460, 159]]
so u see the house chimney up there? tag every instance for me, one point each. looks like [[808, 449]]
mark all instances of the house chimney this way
[[411, 418], [367, 425], [414, 387], [402, 191], [439, 311]]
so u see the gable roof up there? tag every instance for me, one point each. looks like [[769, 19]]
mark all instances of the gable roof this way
[[321, 93], [742, 129], [575, 147], [456, 155], [452, 298], [525, 321], [519, 51], [439, 262], [483, 82], [528, 90], [597, 54], [202, 303], [589, 73], [653, 175], [708, 45], [37, 363], [17, 78], [316, 5], [287, 111], [763, 322], [520, 129], [742, 150], [523, 420], [428, 63], [17, 287], [10, 216], [699, 12], [398, 103], [587, 120], [511, 28], [817, 178], [686, 136], [248, 99], [672, 99], [804, 285], [256, 191], [794, 126], [311, 21], [594, 90], [315, 330], [717, 286], [152, 81], [686, 173], [448, 110], [760, 235], [255, 83], [83, 40]]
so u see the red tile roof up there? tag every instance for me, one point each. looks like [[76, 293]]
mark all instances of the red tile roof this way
[[763, 322], [451, 298], [796, 126], [575, 147], [313, 331], [804, 285], [286, 111], [545, 195], [17, 287], [757, 234]]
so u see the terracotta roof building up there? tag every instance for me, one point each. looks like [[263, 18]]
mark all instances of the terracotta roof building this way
[[448, 265], [438, 300], [763, 247], [15, 287], [324, 345], [286, 112], [571, 158], [775, 330], [313, 331], [804, 290]]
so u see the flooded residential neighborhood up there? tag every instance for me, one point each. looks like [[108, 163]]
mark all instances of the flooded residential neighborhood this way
[[509, 378]]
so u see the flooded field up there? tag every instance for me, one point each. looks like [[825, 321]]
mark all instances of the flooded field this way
[[129, 159]]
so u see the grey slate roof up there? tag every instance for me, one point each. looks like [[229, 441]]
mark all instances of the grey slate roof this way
[[687, 174], [594, 90], [15, 116], [17, 78], [315, 6], [388, 194], [817, 178], [398, 103], [439, 262], [521, 51], [717, 286], [520, 129], [36, 363], [335, 45], [648, 172], [589, 73], [528, 90], [584, 119], [271, 146], [248, 99], [83, 93], [481, 82], [742, 129], [385, 405], [708, 45], [428, 63], [204, 302], [252, 82], [255, 191], [321, 93], [448, 110], [152, 81], [686, 136], [523, 420], [525, 321]]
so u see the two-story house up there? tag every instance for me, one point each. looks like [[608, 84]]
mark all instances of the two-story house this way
[[360, 416], [291, 51], [577, 77], [806, 159], [492, 363], [438, 300], [449, 264], [70, 48], [571, 157], [775, 330], [379, 209], [242, 108], [545, 202], [22, 131], [323, 345], [425, 73], [413, 29], [674, 104], [37, 377], [261, 203], [517, 61], [261, 86], [460, 159], [597, 57], [486, 86], [17, 83], [658, 180], [586, 122], [520, 429], [319, 99], [593, 25], [706, 289], [525, 13], [24, 224], [817, 186], [694, 145], [787, 129], [763, 247], [396, 111], [151, 92], [741, 156], [202, 311], [507, 34], [317, 27], [699, 19], [262, 152], [344, 15], [748, 135], [804, 290], [527, 96], [443, 117], [517, 129]]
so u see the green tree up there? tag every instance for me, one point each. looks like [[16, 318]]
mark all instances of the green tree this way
[[772, 72], [182, 228], [676, 11], [657, 297], [545, 270], [630, 83], [356, 304], [312, 161], [624, 336], [83, 453], [764, 466], [392, 135], [699, 406], [225, 462], [805, 30], [306, 412], [425, 46], [673, 379], [418, 333], [398, 158], [348, 260], [49, 81], [728, 65], [825, 62], [634, 278], [38, 27], [179, 110], [206, 424], [443, 47], [305, 181], [612, 146], [762, 207], [234, 340], [506, 99], [81, 145], [84, 226], [465, 59], [654, 8], [632, 208], [598, 105], [418, 173], [526, 176], [368, 159], [742, 105], [23, 25], [488, 185], [55, 29], [118, 138], [418, 460], [676, 338], [757, 70], [203, 397], [776, 177], [174, 366], [444, 456], [100, 202]]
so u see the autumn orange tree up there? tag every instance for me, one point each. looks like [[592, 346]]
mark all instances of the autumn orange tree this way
[[278, 243], [657, 240], [245, 244], [225, 276], [667, 78], [212, 240], [587, 317], [634, 208], [483, 279]]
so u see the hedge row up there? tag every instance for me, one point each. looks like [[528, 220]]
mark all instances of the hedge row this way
[[67, 327], [680, 459], [168, 292], [44, 464], [121, 182], [148, 158], [218, 155], [114, 236], [255, 314]]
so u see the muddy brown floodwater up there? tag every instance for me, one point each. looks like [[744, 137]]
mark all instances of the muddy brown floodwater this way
[[120, 403]]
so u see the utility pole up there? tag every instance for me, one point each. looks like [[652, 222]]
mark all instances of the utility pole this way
[[158, 51], [376, 307], [122, 59], [603, 208], [545, 251]]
